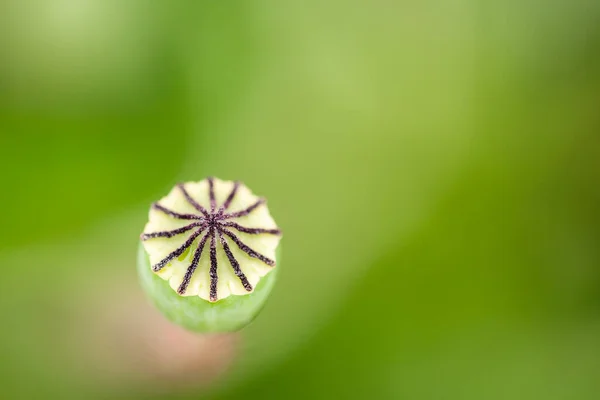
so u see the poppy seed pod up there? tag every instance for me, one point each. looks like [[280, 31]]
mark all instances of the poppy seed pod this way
[[208, 254]]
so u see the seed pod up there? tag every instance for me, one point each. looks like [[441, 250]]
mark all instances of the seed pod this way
[[208, 254]]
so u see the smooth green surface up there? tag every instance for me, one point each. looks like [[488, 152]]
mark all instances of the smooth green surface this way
[[196, 314]]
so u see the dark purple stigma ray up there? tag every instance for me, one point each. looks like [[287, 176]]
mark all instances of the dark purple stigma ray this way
[[253, 231], [234, 264], [193, 202], [211, 194], [216, 222], [246, 211], [213, 266], [179, 251], [192, 268], [247, 249], [169, 234], [174, 214], [229, 198]]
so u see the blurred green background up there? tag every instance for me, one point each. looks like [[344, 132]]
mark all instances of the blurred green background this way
[[435, 167]]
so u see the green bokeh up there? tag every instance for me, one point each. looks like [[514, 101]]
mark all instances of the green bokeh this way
[[434, 167]]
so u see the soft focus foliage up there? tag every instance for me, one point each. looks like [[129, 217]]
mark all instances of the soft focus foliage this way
[[434, 166]]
